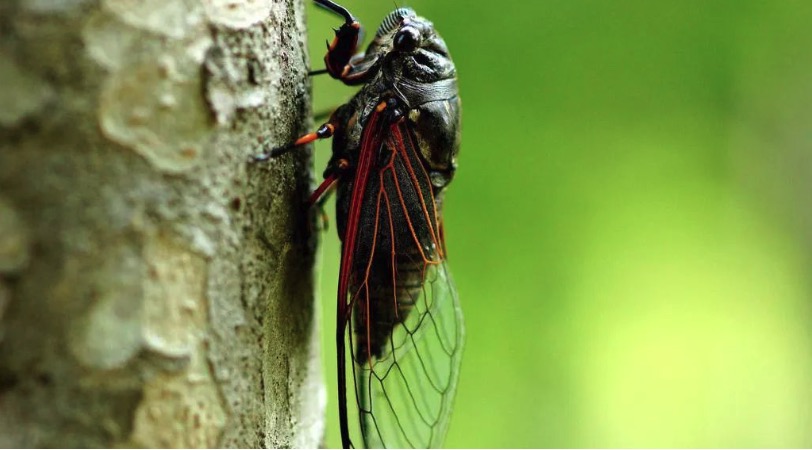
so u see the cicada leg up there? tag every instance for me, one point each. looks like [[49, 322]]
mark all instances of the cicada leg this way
[[319, 198], [345, 43], [343, 61], [322, 193], [325, 131]]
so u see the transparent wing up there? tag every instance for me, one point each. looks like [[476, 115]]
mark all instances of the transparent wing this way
[[405, 397]]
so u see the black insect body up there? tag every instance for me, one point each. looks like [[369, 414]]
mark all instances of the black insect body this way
[[399, 325]]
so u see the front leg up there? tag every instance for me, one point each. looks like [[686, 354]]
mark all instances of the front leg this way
[[343, 61], [345, 43]]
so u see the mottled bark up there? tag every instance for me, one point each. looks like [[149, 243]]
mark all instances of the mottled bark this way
[[155, 288]]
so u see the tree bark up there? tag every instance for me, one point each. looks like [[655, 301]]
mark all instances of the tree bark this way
[[156, 289]]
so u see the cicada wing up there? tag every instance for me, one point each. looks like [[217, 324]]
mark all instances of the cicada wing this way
[[401, 325], [405, 396]]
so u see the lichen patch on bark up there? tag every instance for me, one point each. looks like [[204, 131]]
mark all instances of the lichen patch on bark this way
[[108, 336], [175, 303], [153, 109], [150, 101], [175, 326], [174, 19], [236, 14], [180, 410]]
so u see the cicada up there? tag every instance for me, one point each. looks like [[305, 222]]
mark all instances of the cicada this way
[[395, 144]]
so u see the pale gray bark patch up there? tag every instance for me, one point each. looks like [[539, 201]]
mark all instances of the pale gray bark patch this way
[[156, 289]]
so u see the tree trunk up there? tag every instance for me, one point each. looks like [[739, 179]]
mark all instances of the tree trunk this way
[[156, 289]]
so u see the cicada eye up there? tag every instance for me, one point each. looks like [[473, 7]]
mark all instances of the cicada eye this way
[[407, 39]]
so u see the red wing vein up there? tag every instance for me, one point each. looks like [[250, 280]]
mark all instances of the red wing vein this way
[[437, 217], [407, 161], [406, 209]]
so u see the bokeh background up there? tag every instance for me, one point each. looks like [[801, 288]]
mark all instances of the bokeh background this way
[[630, 228]]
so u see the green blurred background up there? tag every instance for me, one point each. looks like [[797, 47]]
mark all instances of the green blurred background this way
[[630, 228]]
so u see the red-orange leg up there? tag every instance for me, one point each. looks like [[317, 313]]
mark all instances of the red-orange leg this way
[[345, 43], [325, 131], [319, 197], [343, 61]]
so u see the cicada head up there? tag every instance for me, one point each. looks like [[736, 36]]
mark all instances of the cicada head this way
[[410, 46]]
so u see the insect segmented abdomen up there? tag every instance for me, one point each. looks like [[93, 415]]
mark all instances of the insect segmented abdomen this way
[[384, 303]]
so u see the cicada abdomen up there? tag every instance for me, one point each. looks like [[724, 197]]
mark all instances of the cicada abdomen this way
[[389, 270]]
